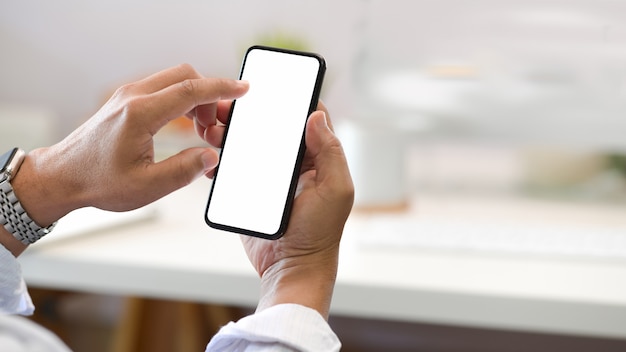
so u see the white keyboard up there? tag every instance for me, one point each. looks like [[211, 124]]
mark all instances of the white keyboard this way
[[497, 238]]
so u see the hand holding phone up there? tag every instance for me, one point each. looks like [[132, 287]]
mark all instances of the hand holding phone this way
[[263, 147]]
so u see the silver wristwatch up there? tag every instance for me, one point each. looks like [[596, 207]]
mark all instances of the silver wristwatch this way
[[12, 215]]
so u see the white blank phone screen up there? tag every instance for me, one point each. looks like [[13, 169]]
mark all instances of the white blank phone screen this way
[[262, 143]]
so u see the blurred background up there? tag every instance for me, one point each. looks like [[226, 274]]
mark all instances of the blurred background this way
[[533, 90], [476, 97]]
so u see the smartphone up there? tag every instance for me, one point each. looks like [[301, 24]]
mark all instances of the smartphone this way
[[263, 147]]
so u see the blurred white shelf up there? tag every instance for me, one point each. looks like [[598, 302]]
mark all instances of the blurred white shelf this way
[[27, 127], [176, 256], [496, 238]]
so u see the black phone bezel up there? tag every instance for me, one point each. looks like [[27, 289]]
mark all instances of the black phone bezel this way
[[284, 222]]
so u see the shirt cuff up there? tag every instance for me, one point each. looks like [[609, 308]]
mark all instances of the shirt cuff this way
[[14, 298], [284, 327]]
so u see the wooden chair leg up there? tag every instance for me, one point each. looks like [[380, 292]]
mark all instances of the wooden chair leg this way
[[164, 326]]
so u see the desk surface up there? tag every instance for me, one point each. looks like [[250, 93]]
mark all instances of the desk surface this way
[[176, 256]]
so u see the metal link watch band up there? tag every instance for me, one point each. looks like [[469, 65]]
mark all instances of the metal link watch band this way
[[14, 218]]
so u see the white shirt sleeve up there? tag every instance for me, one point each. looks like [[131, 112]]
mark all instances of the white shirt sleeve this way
[[18, 334], [14, 298], [284, 327]]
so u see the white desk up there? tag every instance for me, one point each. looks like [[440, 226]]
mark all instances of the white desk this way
[[178, 257]]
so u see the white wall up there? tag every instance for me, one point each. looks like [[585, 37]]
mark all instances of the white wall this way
[[69, 54]]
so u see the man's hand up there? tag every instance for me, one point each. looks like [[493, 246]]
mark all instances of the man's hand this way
[[301, 266], [108, 162]]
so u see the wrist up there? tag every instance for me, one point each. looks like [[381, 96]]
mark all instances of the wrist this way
[[29, 211], [308, 281], [11, 243], [41, 189]]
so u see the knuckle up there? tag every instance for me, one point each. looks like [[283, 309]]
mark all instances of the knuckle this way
[[187, 70], [187, 88], [335, 148], [134, 107], [124, 91]]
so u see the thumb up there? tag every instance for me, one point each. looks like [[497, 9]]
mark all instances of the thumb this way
[[318, 132], [183, 168], [328, 157]]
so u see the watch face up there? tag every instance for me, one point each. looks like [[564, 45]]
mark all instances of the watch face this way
[[5, 159]]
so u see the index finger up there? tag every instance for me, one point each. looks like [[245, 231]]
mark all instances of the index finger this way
[[165, 78], [179, 98]]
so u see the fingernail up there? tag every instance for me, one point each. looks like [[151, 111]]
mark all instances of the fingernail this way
[[209, 159], [321, 122]]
